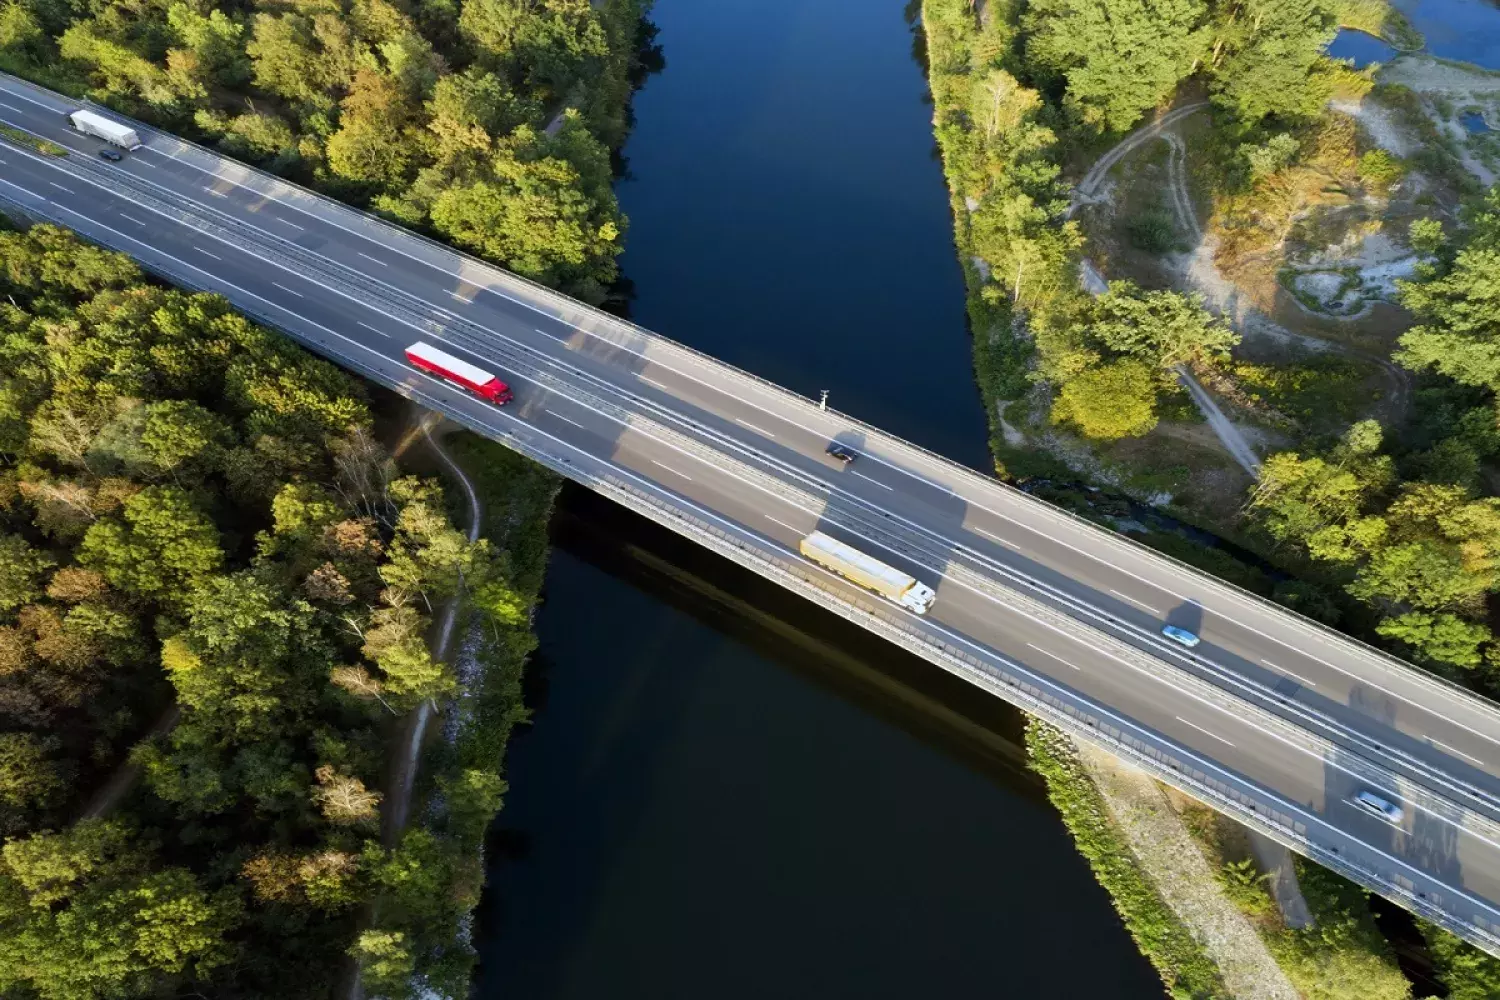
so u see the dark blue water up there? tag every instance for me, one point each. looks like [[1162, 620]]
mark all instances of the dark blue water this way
[[1462, 30], [1465, 30], [1360, 47], [728, 793], [1474, 122], [787, 212]]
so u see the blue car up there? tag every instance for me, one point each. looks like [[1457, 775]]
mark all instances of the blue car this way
[[1180, 635]]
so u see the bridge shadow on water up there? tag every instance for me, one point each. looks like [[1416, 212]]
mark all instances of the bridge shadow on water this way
[[720, 746]]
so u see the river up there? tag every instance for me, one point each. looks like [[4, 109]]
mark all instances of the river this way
[[727, 792]]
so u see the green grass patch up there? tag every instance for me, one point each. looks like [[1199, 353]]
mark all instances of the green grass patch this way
[[1184, 966], [1342, 956], [37, 143], [1319, 391]]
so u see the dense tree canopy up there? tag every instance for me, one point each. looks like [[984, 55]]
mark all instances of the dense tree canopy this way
[[441, 116], [127, 582], [1121, 58]]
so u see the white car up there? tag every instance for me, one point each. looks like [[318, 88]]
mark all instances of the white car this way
[[1377, 806]]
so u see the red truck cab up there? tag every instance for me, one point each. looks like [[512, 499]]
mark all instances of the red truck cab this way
[[458, 371]]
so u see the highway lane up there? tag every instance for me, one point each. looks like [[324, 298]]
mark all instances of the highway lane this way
[[659, 386], [1134, 587], [1299, 780], [1419, 719]]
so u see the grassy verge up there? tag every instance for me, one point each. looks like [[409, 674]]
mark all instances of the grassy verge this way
[[27, 139], [1342, 956], [434, 881], [1184, 966]]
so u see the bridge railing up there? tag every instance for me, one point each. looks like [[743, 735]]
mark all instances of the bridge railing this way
[[563, 303], [1200, 778]]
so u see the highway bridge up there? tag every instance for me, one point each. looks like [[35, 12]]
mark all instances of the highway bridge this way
[[1273, 719]]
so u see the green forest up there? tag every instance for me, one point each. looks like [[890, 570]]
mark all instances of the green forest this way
[[216, 585], [488, 123], [197, 514]]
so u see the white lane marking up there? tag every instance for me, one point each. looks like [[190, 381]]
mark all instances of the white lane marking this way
[[673, 471], [964, 640], [129, 218], [1283, 670], [957, 637], [372, 329], [19, 111], [216, 192], [292, 291], [1443, 746], [375, 259], [789, 527], [566, 420], [758, 430], [1132, 600], [467, 302], [1364, 680], [1059, 659], [992, 536], [287, 222], [207, 254], [61, 188], [275, 189], [877, 482], [651, 381], [1206, 732], [1087, 554]]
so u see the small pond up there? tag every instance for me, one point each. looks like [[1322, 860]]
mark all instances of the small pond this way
[[1360, 47]]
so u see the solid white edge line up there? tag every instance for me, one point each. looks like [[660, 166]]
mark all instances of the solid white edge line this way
[[987, 651], [1007, 517], [1238, 599]]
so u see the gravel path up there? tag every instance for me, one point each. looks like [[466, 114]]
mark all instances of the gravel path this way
[[1170, 856]]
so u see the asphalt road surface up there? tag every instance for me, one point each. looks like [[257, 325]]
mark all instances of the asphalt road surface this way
[[1271, 717]]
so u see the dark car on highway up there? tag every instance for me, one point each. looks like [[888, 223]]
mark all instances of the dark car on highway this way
[[842, 453], [112, 155]]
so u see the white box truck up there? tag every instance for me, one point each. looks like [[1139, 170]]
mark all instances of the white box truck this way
[[867, 571], [101, 127]]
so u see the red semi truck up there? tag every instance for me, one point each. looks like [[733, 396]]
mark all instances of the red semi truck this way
[[459, 372]]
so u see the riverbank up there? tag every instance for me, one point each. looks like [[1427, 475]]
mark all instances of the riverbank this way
[[1180, 910]]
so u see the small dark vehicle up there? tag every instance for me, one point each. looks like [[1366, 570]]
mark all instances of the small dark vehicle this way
[[112, 155], [842, 453]]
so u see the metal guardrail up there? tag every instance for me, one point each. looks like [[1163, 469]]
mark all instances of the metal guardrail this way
[[562, 302], [485, 342], [1029, 692]]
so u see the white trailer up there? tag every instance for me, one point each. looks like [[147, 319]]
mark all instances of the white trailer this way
[[104, 128], [867, 571]]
